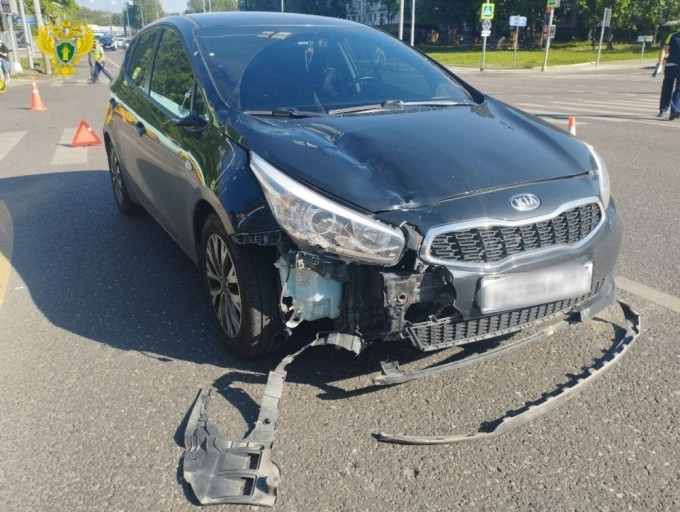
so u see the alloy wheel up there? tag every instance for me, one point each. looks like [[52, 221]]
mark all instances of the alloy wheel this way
[[223, 285], [116, 177]]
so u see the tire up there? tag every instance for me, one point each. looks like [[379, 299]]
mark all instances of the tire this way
[[120, 192], [242, 285]]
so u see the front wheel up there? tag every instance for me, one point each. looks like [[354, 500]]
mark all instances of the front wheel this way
[[242, 285]]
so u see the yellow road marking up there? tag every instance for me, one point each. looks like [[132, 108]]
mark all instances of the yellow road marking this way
[[6, 245]]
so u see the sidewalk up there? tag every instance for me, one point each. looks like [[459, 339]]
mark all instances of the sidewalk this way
[[647, 63]]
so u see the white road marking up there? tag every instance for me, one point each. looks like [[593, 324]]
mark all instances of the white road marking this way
[[8, 141]]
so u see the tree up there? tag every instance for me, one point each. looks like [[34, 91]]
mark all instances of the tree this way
[[260, 5], [334, 8], [211, 5], [591, 13], [650, 15]]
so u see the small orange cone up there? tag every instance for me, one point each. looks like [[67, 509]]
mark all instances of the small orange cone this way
[[36, 102], [85, 136], [572, 125]]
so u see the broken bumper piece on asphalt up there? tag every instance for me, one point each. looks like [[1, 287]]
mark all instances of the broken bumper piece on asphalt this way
[[242, 472], [222, 471], [544, 404]]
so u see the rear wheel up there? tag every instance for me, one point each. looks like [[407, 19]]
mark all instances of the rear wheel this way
[[242, 286], [120, 192]]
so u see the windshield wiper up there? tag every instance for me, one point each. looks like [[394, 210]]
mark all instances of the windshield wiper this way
[[422, 103], [283, 112], [398, 104]]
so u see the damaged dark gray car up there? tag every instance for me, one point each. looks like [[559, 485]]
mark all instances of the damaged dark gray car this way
[[316, 169]]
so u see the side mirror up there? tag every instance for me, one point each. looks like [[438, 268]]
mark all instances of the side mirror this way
[[193, 122]]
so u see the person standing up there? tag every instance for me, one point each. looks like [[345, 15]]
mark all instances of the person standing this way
[[4, 61], [670, 88], [99, 62]]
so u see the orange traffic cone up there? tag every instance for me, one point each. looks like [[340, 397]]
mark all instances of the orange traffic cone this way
[[572, 125], [85, 136], [36, 102]]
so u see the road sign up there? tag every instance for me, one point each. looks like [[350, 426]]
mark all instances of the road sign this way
[[487, 11], [552, 31], [645, 39], [553, 4], [486, 33], [486, 25], [518, 21], [30, 20]]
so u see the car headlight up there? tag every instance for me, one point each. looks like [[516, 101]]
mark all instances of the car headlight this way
[[315, 221], [600, 170]]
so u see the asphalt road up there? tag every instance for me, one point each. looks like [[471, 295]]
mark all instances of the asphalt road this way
[[106, 338]]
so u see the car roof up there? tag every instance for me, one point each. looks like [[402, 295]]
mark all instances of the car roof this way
[[245, 18]]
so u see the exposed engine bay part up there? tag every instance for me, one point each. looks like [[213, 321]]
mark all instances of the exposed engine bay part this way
[[242, 472], [311, 285], [544, 404]]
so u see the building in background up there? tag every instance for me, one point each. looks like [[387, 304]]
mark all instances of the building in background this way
[[375, 14]]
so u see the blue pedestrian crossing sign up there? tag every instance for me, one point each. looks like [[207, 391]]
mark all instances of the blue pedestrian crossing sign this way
[[487, 11]]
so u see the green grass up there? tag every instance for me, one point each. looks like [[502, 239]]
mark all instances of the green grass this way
[[560, 54]]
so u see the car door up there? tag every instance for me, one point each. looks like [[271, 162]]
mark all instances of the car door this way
[[173, 158], [130, 101]]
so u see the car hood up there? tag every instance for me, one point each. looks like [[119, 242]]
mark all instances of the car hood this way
[[409, 158]]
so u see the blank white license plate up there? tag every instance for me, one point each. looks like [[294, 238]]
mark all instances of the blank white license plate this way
[[538, 287]]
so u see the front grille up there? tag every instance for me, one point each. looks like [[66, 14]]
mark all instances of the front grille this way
[[492, 244], [446, 332]]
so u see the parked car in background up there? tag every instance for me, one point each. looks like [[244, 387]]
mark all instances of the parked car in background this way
[[122, 43], [319, 169]]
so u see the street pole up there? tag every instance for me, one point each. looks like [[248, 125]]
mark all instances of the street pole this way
[[547, 40], [40, 24], [413, 21], [283, 9], [481, 68], [16, 67], [401, 20], [27, 34], [605, 23]]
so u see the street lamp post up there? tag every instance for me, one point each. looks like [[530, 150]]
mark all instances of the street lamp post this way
[[127, 15]]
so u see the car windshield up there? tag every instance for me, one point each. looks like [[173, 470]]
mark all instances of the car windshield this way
[[320, 70]]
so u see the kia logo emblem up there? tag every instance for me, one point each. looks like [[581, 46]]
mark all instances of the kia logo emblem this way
[[525, 202]]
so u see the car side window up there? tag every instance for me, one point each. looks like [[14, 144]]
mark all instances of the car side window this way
[[172, 79], [141, 58]]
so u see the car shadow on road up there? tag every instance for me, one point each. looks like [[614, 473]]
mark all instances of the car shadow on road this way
[[124, 282]]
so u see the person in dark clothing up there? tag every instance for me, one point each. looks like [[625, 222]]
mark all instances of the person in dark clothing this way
[[670, 89]]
